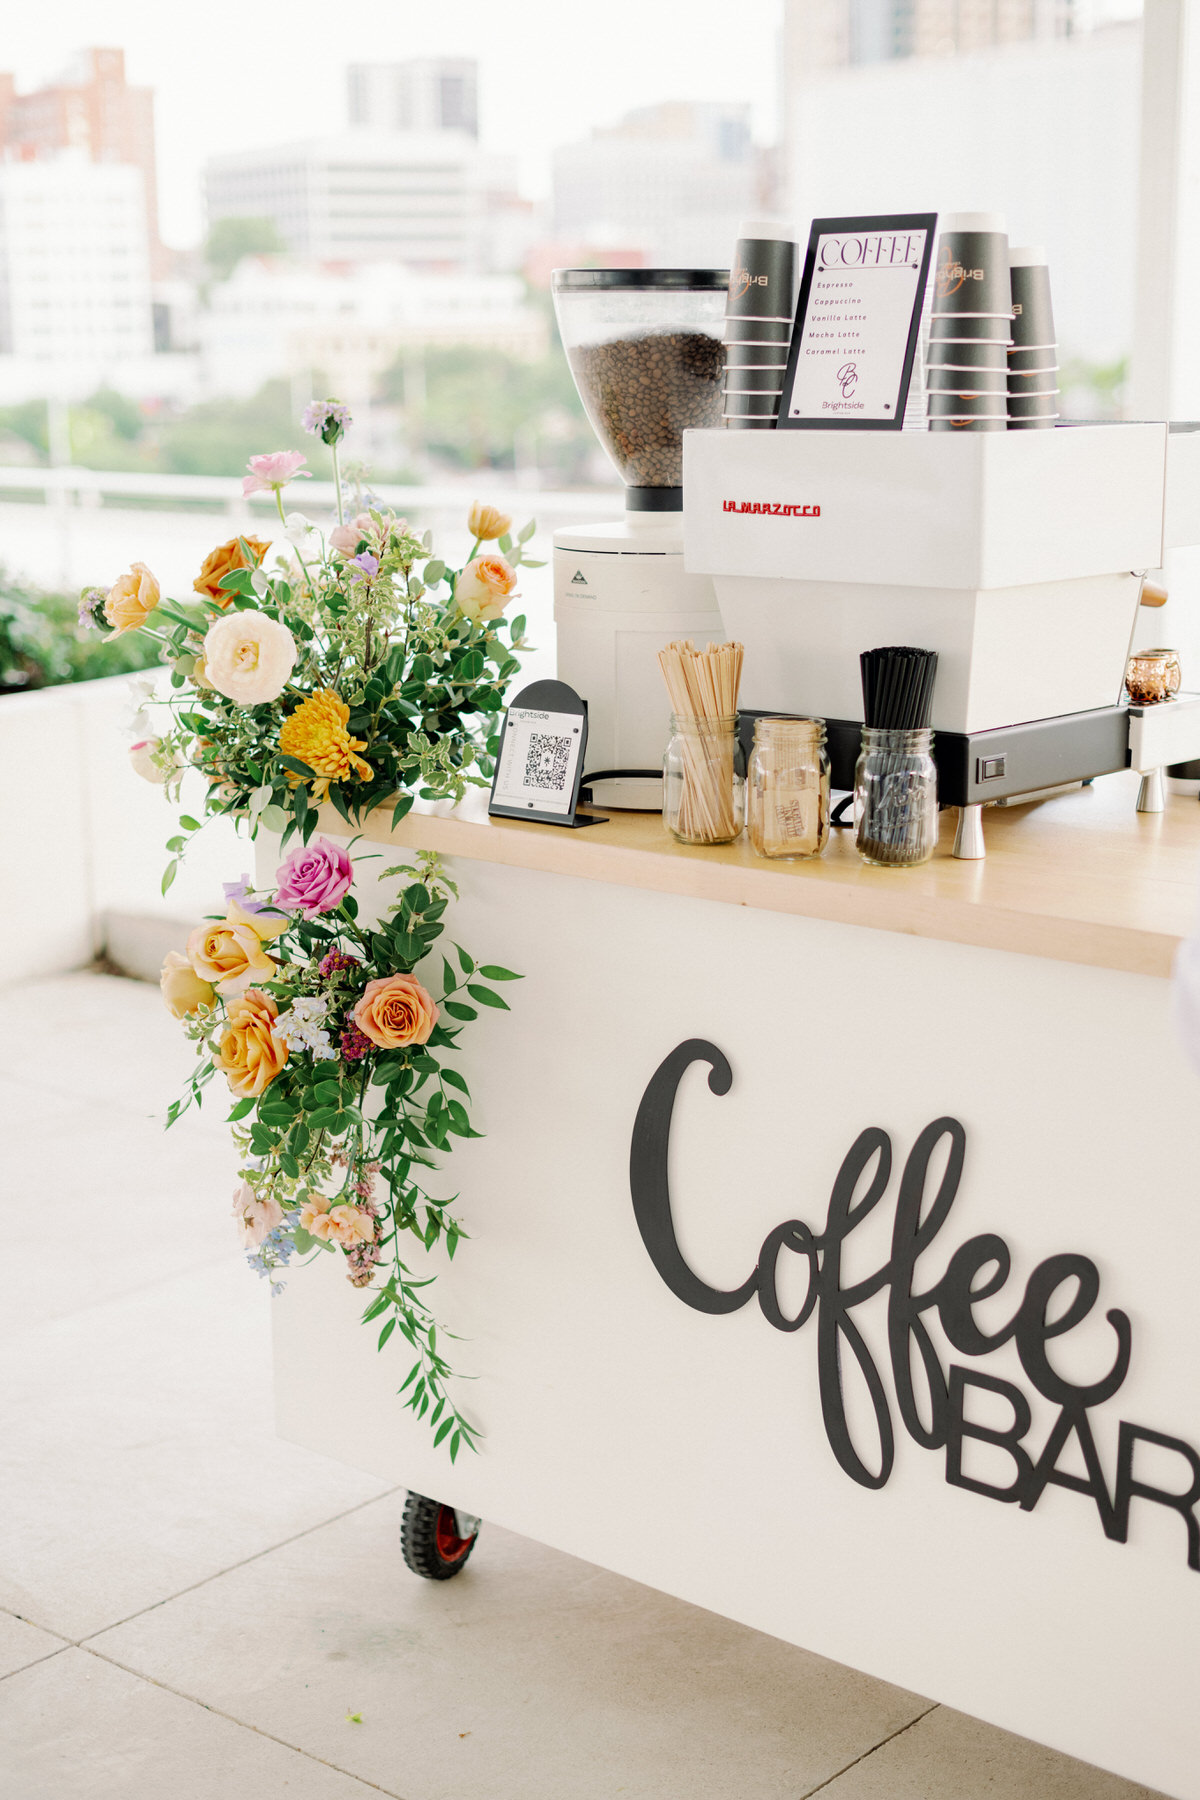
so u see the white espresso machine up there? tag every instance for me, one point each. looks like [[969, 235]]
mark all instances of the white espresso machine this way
[[1018, 556], [645, 347]]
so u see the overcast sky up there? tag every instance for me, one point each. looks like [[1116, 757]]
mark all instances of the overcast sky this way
[[230, 74]]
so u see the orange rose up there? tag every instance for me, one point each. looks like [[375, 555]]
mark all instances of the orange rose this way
[[250, 1055], [229, 955], [223, 561], [394, 1011], [131, 599]]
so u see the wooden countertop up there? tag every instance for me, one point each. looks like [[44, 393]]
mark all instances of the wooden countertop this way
[[1084, 878]]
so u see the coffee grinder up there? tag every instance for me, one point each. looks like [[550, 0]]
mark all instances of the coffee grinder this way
[[645, 348]]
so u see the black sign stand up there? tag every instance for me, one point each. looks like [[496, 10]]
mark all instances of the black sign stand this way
[[548, 697]]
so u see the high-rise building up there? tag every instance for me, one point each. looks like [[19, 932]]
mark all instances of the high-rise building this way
[[92, 109], [671, 180], [411, 197], [437, 93], [836, 34], [74, 271]]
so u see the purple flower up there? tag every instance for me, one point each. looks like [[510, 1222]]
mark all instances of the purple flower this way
[[91, 608], [334, 961], [326, 419], [367, 563], [355, 1044], [314, 879], [240, 891]]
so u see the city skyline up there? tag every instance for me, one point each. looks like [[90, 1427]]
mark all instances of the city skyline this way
[[252, 80]]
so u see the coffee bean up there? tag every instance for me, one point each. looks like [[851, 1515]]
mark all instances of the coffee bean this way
[[642, 394]]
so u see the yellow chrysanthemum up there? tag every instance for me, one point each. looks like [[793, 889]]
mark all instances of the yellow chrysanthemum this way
[[316, 734]]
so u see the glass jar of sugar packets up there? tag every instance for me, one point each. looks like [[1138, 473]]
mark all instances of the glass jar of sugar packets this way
[[788, 788]]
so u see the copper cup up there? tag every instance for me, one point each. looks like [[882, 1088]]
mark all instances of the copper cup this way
[[1152, 676]]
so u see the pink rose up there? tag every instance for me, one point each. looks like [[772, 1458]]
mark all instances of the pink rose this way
[[256, 1218], [345, 538], [314, 879], [274, 471]]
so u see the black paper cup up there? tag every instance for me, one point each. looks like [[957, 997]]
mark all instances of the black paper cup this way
[[1033, 406], [754, 381], [750, 406], [1047, 423], [967, 356], [762, 280], [989, 424], [971, 268], [1034, 381], [965, 406], [756, 356], [1033, 315], [757, 331], [969, 381], [1033, 356], [989, 328]]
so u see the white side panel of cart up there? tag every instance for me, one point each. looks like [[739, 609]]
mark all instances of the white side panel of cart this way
[[688, 1451]]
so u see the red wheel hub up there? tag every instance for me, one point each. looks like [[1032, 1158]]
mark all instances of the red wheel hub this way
[[450, 1547]]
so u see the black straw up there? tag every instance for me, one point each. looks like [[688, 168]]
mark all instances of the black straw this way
[[897, 685]]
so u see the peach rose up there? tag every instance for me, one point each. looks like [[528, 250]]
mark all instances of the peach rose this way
[[183, 991], [250, 1055], [344, 1225], [484, 587], [231, 955], [223, 561], [256, 1218], [266, 925], [395, 1010], [131, 600], [485, 522]]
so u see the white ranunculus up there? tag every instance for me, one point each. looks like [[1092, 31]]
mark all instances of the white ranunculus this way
[[248, 657]]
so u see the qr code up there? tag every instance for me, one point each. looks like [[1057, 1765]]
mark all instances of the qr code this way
[[547, 761]]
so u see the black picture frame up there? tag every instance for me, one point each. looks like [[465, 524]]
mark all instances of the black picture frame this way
[[551, 697], [884, 222]]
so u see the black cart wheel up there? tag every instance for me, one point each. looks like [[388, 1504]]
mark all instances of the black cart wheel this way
[[435, 1539]]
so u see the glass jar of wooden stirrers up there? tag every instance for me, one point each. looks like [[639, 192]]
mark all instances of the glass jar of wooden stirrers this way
[[704, 786], [787, 788]]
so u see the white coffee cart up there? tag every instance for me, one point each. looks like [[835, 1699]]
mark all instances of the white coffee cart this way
[[691, 1061]]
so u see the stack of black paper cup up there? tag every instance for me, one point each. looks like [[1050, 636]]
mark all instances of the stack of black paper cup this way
[[970, 326], [758, 323], [1033, 358]]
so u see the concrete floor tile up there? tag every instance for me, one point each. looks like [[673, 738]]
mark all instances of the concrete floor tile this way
[[531, 1676], [22, 1644], [948, 1756], [99, 1036], [138, 1451], [76, 1728], [148, 1204]]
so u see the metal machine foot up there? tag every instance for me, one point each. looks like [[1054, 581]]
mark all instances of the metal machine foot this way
[[1150, 793], [968, 839]]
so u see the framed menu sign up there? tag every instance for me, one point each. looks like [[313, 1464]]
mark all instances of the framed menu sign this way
[[858, 322]]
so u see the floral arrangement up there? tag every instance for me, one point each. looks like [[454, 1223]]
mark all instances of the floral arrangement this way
[[359, 669], [338, 1060]]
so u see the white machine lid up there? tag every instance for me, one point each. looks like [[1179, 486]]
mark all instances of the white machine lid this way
[[637, 534]]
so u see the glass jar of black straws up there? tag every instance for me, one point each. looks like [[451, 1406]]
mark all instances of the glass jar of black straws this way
[[895, 781]]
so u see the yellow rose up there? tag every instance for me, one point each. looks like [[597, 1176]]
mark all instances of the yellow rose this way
[[223, 561], [266, 925], [183, 991], [131, 599], [484, 587], [250, 1055], [395, 1010], [484, 522], [231, 955]]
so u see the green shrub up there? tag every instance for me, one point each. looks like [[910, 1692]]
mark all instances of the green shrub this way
[[42, 643]]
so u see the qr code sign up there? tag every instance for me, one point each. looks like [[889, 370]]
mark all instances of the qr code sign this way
[[547, 761]]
